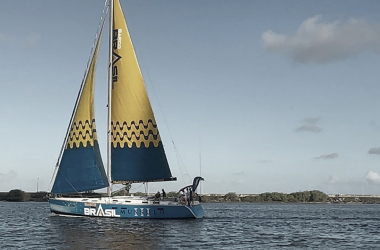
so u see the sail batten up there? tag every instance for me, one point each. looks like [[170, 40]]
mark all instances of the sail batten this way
[[137, 153]]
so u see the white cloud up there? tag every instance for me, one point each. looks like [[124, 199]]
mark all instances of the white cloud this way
[[333, 180], [7, 177], [373, 177], [375, 124], [374, 151], [241, 173], [318, 42], [310, 125], [19, 41], [263, 161], [237, 179], [32, 39], [335, 185], [328, 156], [312, 120], [309, 128]]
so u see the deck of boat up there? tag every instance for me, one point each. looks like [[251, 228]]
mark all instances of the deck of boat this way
[[127, 200]]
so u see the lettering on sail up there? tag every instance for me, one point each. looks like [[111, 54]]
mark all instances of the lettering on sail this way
[[116, 45]]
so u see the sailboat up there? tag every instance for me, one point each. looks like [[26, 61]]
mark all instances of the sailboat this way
[[135, 152]]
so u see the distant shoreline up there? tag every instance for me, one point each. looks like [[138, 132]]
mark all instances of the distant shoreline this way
[[305, 197]]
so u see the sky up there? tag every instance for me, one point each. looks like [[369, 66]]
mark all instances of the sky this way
[[257, 96]]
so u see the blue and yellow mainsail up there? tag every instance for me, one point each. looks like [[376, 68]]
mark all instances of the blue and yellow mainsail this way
[[80, 166], [137, 153]]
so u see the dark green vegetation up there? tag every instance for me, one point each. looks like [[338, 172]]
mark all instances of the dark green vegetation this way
[[19, 195], [314, 196], [305, 197]]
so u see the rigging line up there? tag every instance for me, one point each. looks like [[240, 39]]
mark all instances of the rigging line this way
[[180, 169], [167, 126], [114, 192], [179, 158], [121, 188], [54, 175], [98, 31], [70, 184], [137, 187], [118, 190], [97, 37]]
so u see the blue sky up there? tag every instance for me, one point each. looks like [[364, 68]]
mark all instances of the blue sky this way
[[274, 95]]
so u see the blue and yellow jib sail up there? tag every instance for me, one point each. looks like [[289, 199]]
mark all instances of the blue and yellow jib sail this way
[[137, 153], [80, 165]]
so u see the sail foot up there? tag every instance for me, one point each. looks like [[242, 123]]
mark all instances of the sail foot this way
[[157, 180], [139, 164], [81, 169]]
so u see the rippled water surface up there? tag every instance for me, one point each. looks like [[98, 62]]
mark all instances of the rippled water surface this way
[[225, 226]]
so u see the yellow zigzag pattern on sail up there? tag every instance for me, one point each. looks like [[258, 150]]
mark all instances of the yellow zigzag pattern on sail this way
[[141, 133], [83, 130], [82, 134], [133, 123]]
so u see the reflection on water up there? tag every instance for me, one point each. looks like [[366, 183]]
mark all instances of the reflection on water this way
[[225, 226], [114, 233]]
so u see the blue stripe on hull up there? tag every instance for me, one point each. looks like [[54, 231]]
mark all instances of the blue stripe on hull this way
[[126, 211]]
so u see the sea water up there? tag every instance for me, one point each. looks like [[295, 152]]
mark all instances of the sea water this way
[[29, 225]]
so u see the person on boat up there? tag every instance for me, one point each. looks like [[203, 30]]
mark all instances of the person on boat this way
[[199, 197], [187, 196], [191, 196], [163, 194], [157, 195], [183, 197]]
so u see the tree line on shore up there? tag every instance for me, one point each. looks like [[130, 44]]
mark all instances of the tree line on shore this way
[[18, 195], [305, 196], [314, 196]]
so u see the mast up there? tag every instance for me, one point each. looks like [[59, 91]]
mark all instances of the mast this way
[[109, 129]]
